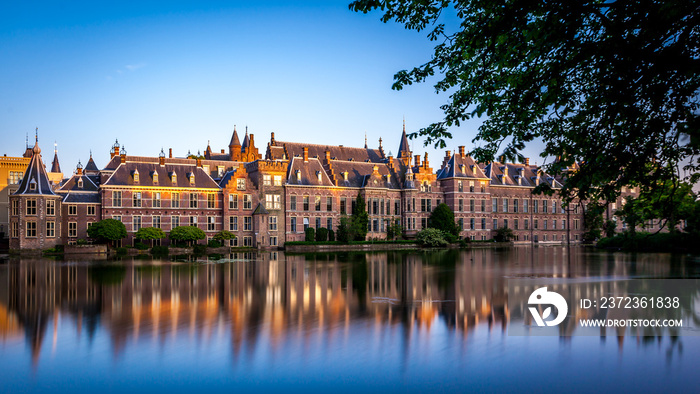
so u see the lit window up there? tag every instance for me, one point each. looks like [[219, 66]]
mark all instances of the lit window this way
[[31, 229]]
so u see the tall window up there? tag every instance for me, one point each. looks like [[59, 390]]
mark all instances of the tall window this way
[[175, 200], [293, 225], [293, 203], [461, 205], [193, 200], [494, 205], [343, 206], [14, 230], [317, 203], [193, 221], [272, 221], [51, 208], [329, 223], [535, 206], [136, 200], [495, 224], [156, 200], [318, 223], [31, 208], [306, 203], [156, 221], [233, 223], [277, 180], [247, 223], [329, 204], [483, 223], [211, 223], [50, 229], [73, 229], [471, 224], [471, 205], [174, 221], [460, 186], [233, 201], [267, 180], [15, 207], [273, 201], [505, 205], [137, 223], [544, 206], [483, 205], [526, 204], [471, 186], [515, 205], [211, 200], [247, 201]]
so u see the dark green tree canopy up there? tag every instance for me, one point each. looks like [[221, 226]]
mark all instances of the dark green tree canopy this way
[[360, 219], [107, 230], [611, 85], [149, 233], [442, 218], [187, 234]]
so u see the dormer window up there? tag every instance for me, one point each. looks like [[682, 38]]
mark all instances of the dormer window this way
[[191, 178], [155, 177], [520, 180], [32, 185], [298, 174], [318, 175], [173, 177], [80, 183], [345, 176], [136, 176]]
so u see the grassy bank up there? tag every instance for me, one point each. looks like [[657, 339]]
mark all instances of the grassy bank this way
[[653, 242]]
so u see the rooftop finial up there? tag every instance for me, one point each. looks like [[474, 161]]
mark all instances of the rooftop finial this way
[[404, 123], [91, 153], [365, 140], [26, 141], [380, 142], [36, 134], [55, 147]]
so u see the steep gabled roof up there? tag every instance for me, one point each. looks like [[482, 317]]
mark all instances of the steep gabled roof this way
[[337, 152], [35, 180], [72, 184], [517, 175], [124, 176], [307, 173], [461, 167], [360, 174]]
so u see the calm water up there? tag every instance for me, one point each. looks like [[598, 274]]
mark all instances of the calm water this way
[[269, 321]]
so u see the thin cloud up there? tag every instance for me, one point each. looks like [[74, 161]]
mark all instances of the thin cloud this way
[[134, 67]]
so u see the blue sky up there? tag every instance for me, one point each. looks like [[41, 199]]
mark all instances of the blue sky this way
[[177, 74]]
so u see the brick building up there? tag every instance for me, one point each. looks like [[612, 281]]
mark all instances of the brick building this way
[[268, 201]]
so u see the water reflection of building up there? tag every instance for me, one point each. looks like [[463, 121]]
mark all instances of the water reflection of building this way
[[270, 296]]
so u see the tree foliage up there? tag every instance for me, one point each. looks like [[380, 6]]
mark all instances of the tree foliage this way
[[394, 230], [504, 234], [431, 237], [224, 235], [360, 219], [107, 230], [609, 84], [343, 229], [443, 219], [186, 234], [149, 233], [309, 234]]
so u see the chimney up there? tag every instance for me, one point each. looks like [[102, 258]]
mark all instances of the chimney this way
[[306, 154], [417, 160], [252, 140], [503, 158], [527, 161], [272, 138], [425, 162], [199, 162], [391, 162], [461, 151], [116, 150], [505, 171], [162, 161], [375, 170], [223, 151], [328, 156], [123, 158], [79, 170], [170, 153]]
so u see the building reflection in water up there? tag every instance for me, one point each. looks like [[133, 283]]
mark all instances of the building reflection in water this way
[[273, 297]]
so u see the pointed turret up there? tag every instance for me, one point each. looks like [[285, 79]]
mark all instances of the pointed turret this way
[[36, 180], [246, 140], [207, 153], [234, 147], [404, 149], [91, 167], [55, 167]]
